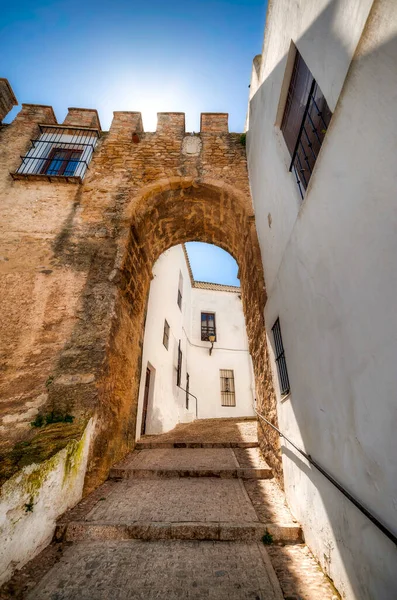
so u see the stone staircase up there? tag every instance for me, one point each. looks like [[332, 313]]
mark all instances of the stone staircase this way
[[186, 515], [180, 492]]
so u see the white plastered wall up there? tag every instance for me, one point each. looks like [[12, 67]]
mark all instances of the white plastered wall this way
[[167, 403], [331, 279]]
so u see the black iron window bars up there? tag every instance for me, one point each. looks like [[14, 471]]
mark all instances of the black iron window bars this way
[[58, 152], [280, 359], [228, 395], [305, 122]]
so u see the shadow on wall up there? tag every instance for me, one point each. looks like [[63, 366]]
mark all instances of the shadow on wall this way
[[368, 557]]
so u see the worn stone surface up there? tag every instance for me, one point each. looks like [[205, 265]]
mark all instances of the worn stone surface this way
[[299, 574], [209, 431], [175, 500], [149, 570], [201, 513], [180, 458], [193, 462], [76, 269]]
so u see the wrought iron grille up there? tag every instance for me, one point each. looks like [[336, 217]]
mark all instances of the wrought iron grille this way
[[58, 152], [280, 359], [305, 122], [179, 367], [207, 326], [228, 395], [166, 334]]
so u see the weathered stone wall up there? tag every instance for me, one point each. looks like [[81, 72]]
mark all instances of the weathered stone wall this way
[[76, 268]]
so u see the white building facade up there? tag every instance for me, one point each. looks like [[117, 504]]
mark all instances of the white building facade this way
[[324, 185], [182, 316]]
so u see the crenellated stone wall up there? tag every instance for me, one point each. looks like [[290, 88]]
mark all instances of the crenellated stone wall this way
[[76, 266]]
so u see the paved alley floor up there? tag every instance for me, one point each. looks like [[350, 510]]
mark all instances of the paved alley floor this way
[[194, 513]]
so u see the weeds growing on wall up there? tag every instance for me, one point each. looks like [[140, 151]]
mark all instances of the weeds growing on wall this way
[[52, 417]]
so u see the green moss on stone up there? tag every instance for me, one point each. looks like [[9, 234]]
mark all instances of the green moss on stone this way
[[45, 444]]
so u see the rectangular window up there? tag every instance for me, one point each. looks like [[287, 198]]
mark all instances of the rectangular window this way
[[180, 290], [228, 395], [179, 368], [280, 359], [305, 122], [62, 162], [166, 334], [208, 326]]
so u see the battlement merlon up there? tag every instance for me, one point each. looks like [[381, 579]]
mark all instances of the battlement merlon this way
[[171, 123], [214, 123], [83, 117], [7, 98], [125, 124]]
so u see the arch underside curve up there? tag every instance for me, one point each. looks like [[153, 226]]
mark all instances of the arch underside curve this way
[[165, 214]]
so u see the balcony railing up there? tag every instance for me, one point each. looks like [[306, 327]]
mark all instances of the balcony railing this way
[[59, 152], [315, 121]]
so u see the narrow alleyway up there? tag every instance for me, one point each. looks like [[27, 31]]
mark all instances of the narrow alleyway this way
[[194, 513]]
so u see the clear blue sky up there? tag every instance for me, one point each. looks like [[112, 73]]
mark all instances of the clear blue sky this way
[[210, 263], [145, 55]]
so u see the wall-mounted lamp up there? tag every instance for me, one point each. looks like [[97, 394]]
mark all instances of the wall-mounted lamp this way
[[211, 338]]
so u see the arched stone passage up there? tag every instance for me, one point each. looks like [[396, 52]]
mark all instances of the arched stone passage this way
[[163, 215]]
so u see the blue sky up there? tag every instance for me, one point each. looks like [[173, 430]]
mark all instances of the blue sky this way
[[210, 263], [145, 55]]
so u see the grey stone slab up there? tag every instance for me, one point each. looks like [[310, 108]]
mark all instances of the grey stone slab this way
[[175, 500], [133, 570], [181, 459]]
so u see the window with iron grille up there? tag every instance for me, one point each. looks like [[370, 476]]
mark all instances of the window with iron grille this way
[[305, 122], [179, 368], [58, 153], [280, 359], [207, 326], [228, 396], [166, 334], [180, 289]]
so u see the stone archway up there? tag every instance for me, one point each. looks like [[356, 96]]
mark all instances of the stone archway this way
[[163, 214]]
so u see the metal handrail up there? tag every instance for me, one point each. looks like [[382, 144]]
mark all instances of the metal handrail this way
[[190, 394], [347, 494]]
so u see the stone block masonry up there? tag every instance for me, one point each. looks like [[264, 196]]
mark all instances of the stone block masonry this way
[[76, 264]]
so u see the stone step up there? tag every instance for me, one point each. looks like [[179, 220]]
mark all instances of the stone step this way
[[191, 508], [147, 445], [77, 531], [118, 473], [165, 463]]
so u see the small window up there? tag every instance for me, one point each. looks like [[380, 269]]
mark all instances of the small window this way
[[166, 334], [280, 359], [179, 368], [208, 326], [62, 162], [180, 290], [228, 395], [305, 122]]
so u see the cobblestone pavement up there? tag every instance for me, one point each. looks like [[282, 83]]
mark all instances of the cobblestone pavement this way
[[147, 538], [210, 430], [299, 574], [170, 570]]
